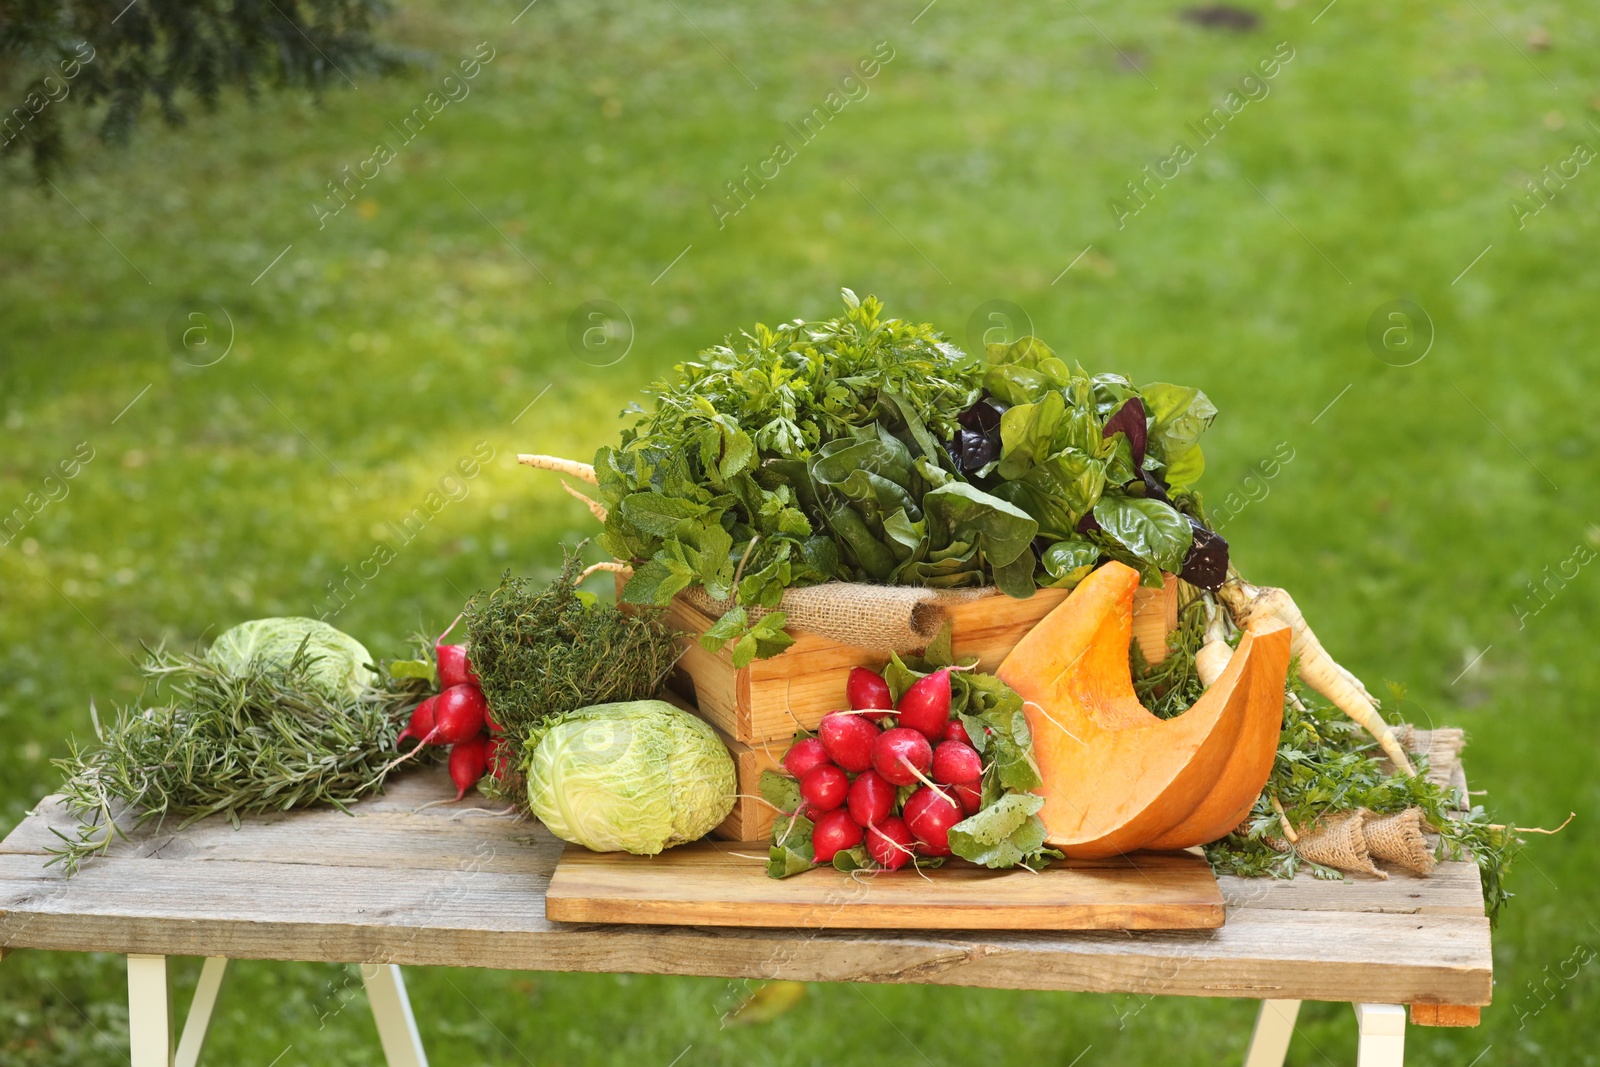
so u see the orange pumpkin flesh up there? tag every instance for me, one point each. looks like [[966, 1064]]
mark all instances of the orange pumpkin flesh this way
[[1116, 778]]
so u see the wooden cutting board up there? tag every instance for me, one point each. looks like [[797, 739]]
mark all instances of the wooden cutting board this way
[[724, 883]]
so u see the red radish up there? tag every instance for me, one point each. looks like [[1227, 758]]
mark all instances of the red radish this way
[[867, 689], [889, 843], [956, 761], [835, 831], [929, 816], [468, 760], [871, 798], [848, 740], [926, 705], [421, 724], [499, 758], [488, 717], [454, 667], [901, 754], [458, 715], [957, 731], [970, 795], [824, 787], [804, 755]]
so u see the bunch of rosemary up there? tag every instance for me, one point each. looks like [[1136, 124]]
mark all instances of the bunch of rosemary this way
[[541, 649], [264, 739]]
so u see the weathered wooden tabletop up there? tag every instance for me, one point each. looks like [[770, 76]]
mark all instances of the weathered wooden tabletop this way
[[460, 885]]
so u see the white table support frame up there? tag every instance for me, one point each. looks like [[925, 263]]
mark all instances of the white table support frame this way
[[150, 1013], [1381, 1027]]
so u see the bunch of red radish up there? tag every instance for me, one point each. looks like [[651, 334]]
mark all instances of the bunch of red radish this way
[[850, 774], [459, 718]]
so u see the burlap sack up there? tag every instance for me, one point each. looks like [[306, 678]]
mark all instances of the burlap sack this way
[[878, 618], [1337, 841], [1398, 839]]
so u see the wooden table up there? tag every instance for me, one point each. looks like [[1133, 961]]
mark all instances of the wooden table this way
[[395, 885]]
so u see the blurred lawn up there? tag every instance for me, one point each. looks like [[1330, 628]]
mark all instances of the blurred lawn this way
[[382, 348]]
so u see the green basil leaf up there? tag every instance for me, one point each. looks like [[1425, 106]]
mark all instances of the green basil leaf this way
[[1149, 529]]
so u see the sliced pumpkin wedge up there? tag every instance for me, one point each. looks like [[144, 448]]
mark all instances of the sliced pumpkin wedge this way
[[1117, 778]]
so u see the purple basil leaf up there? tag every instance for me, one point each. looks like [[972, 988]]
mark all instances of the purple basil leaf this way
[[983, 416], [1130, 420], [1207, 562]]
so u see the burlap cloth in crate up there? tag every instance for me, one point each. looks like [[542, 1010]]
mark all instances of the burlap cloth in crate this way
[[878, 618]]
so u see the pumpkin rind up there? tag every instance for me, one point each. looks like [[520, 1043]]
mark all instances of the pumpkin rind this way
[[1116, 778]]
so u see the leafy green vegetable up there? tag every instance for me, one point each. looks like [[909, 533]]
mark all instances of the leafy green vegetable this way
[[1006, 833], [638, 776], [868, 449], [1147, 528], [335, 662]]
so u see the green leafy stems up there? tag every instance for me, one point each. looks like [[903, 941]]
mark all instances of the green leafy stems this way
[[833, 450]]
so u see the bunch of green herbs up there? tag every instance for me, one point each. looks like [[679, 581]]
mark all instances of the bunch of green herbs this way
[[544, 648], [232, 741], [870, 449]]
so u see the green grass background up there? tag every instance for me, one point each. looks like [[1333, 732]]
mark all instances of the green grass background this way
[[382, 348]]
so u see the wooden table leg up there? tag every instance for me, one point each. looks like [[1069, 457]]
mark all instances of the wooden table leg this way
[[1383, 1035], [149, 1011], [1269, 1045], [391, 1010], [199, 1017]]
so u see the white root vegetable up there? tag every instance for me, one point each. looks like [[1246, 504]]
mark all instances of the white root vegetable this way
[[1212, 658], [1318, 669], [582, 471], [605, 565], [595, 507]]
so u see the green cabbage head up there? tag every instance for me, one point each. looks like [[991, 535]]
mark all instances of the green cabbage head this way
[[338, 661], [638, 776]]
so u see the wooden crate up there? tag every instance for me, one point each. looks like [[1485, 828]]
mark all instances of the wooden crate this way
[[751, 818], [770, 699]]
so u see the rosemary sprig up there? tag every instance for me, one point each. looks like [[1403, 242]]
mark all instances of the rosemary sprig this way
[[263, 740]]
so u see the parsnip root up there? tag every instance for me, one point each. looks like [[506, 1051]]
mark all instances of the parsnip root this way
[[582, 471], [597, 509], [1212, 657], [1318, 669], [605, 565]]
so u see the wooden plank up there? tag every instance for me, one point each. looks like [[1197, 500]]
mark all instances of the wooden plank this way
[[1453, 889], [395, 832], [473, 918], [716, 883]]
